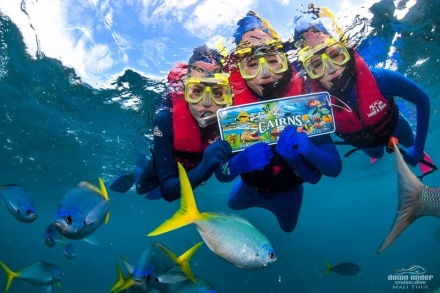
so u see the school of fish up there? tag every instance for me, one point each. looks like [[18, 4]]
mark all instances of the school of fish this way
[[86, 207]]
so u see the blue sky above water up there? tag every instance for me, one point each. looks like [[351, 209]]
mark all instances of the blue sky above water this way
[[100, 39]]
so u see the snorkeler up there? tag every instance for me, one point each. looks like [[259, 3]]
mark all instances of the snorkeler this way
[[365, 113], [195, 92], [261, 71]]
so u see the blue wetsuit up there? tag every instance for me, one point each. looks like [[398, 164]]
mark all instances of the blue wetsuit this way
[[285, 202], [394, 84], [164, 154]]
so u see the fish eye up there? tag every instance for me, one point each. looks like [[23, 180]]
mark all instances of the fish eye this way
[[68, 219], [272, 255], [28, 212], [147, 278]]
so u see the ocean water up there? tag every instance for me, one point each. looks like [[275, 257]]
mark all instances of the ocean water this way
[[57, 131]]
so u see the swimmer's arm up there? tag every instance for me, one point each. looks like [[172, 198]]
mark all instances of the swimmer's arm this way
[[325, 156], [392, 83]]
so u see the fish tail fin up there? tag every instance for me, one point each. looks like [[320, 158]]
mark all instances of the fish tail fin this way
[[128, 282], [187, 212], [107, 217], [328, 268], [104, 195], [183, 261], [128, 266], [121, 279], [11, 275], [103, 189], [409, 191]]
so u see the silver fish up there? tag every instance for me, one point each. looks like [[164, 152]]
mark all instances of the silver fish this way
[[153, 267], [40, 273], [415, 200], [69, 251], [51, 235], [186, 286], [82, 210], [231, 237], [19, 203]]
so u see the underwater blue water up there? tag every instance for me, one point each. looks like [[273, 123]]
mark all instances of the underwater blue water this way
[[56, 131]]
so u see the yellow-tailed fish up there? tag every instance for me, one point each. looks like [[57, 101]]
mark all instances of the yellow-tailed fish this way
[[82, 210], [186, 286], [121, 279], [19, 203], [415, 200], [231, 237], [40, 273], [153, 267], [343, 269]]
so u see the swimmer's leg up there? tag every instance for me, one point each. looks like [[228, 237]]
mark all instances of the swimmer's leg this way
[[285, 205], [242, 196]]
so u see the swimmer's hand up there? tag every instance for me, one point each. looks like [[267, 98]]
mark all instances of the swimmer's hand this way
[[293, 145], [253, 158], [215, 154]]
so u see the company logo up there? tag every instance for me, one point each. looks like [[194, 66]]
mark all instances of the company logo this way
[[412, 278], [376, 107], [156, 131]]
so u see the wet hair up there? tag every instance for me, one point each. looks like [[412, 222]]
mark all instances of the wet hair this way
[[302, 27], [207, 55]]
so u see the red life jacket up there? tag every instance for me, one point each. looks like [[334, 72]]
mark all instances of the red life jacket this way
[[188, 143], [373, 121], [277, 175]]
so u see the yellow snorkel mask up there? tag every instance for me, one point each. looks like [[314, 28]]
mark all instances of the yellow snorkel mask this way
[[256, 59], [216, 89], [316, 60]]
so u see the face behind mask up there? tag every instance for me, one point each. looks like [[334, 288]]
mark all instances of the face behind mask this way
[[344, 83], [274, 90]]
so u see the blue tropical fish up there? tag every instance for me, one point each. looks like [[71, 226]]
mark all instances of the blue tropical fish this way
[[69, 251], [51, 235], [153, 267], [82, 210], [40, 273], [19, 203]]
